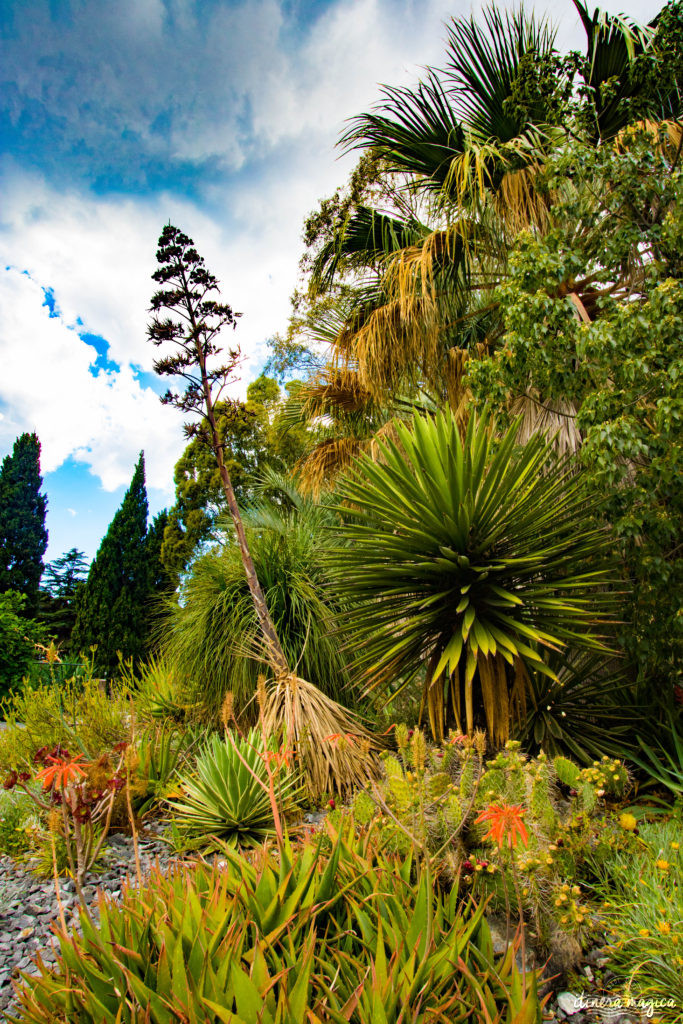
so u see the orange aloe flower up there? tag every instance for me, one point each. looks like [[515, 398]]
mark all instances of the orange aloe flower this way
[[505, 821], [61, 772], [280, 758]]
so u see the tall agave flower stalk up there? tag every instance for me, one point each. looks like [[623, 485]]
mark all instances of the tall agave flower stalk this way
[[186, 292]]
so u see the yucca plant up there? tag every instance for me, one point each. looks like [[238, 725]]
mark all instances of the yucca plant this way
[[226, 799], [466, 557], [581, 712], [283, 938]]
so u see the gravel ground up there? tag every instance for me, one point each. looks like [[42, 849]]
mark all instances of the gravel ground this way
[[28, 904]]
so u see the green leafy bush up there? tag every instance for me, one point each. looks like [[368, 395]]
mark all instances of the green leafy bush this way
[[226, 798], [289, 937], [76, 713], [642, 912], [17, 818]]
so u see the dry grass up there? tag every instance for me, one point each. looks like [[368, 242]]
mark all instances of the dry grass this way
[[335, 751]]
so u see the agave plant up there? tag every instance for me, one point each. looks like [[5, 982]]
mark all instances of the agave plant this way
[[468, 557], [226, 799]]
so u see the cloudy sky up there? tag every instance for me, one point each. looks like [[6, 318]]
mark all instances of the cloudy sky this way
[[117, 116]]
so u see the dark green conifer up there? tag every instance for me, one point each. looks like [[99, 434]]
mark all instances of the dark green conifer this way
[[23, 536], [111, 607], [57, 599]]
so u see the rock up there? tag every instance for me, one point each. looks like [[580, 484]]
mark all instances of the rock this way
[[569, 1004]]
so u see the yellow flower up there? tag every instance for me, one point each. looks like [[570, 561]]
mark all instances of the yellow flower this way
[[627, 821], [663, 865], [664, 927], [675, 845], [525, 891], [644, 932]]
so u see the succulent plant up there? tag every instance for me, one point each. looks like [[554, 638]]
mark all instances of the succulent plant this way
[[226, 799]]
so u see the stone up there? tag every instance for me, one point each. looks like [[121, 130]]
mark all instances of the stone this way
[[569, 1004]]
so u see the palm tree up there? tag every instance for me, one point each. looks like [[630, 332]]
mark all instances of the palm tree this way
[[467, 147]]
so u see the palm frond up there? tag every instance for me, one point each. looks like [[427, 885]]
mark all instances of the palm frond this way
[[367, 237], [483, 62]]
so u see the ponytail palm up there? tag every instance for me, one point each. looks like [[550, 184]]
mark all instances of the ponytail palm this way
[[463, 559]]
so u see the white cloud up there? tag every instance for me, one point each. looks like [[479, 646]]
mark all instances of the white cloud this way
[[47, 386]]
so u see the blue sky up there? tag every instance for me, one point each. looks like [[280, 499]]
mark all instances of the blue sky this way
[[119, 115]]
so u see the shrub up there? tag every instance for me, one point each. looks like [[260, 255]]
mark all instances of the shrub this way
[[642, 913], [17, 819], [226, 798], [290, 937], [76, 713]]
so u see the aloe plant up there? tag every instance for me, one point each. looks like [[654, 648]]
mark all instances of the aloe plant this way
[[283, 938], [226, 798]]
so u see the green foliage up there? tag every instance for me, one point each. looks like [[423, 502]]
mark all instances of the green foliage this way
[[642, 913], [212, 636], [57, 602], [159, 691], [75, 713], [17, 817], [583, 712], [226, 798], [18, 636], [111, 607], [473, 555], [160, 751], [301, 936], [618, 366], [661, 759], [23, 536], [255, 438]]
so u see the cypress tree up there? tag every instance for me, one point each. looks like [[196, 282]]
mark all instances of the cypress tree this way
[[23, 536], [111, 606]]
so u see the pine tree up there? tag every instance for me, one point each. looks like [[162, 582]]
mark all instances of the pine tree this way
[[57, 597], [111, 607], [23, 536]]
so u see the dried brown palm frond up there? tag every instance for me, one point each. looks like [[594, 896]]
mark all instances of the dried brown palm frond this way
[[518, 201], [334, 389], [556, 420], [667, 136], [335, 752], [329, 457]]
